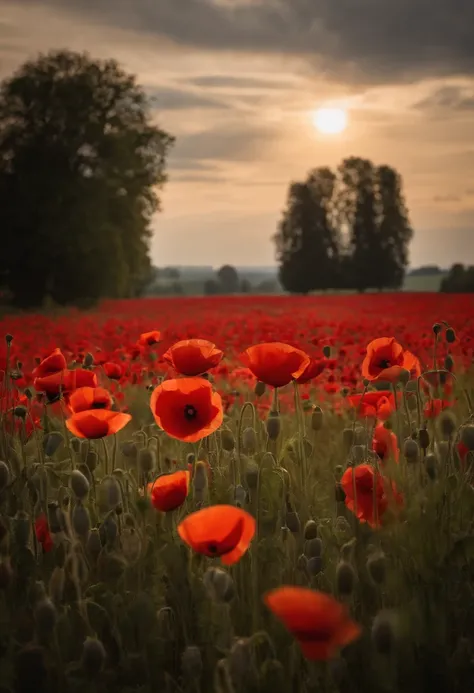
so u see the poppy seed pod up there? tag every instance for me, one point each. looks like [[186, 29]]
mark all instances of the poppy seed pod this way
[[20, 411], [88, 360], [219, 585], [91, 460], [45, 617], [273, 425], [251, 475], [450, 335], [467, 436], [79, 484], [383, 633], [94, 544], [313, 547], [51, 442], [317, 419], [376, 567], [437, 328], [310, 530], [449, 362], [302, 563], [315, 565], [146, 460], [191, 662], [4, 475], [80, 520], [249, 441], [447, 424], [130, 449], [227, 440], [93, 657], [345, 579], [200, 477], [9, 339], [431, 465], [260, 389], [327, 351], [110, 493], [411, 450], [424, 438]]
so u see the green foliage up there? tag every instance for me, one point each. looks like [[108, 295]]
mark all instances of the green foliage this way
[[460, 279], [80, 163]]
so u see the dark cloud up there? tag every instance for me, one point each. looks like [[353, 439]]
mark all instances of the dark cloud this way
[[448, 98], [167, 99], [364, 40], [230, 82], [227, 142]]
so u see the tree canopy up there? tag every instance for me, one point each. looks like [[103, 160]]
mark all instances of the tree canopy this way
[[81, 164]]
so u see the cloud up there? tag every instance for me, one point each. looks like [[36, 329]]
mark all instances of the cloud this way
[[224, 142], [446, 198], [453, 98], [233, 82], [168, 99], [367, 40]]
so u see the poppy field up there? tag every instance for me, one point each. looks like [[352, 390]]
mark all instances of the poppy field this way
[[239, 494]]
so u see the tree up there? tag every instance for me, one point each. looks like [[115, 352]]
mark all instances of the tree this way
[[460, 279], [80, 164], [228, 279], [307, 239]]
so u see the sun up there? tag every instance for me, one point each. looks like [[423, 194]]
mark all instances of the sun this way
[[330, 121]]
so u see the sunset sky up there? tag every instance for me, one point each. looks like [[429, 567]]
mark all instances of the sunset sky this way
[[236, 81]]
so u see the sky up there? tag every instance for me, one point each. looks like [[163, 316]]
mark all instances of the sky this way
[[237, 81]]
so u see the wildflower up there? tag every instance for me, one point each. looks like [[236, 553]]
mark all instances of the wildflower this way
[[193, 356], [97, 423], [42, 533], [169, 491], [386, 358], [219, 531], [187, 409], [312, 371], [113, 371], [149, 338], [370, 506], [85, 398], [378, 404], [319, 623], [385, 443], [54, 363], [274, 363], [434, 407]]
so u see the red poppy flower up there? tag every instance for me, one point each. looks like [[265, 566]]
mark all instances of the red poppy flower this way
[[386, 358], [97, 423], [149, 338], [434, 407], [53, 363], [314, 369], [187, 408], [193, 356], [43, 534], [114, 371], [223, 531], [385, 443], [365, 480], [275, 363], [169, 491], [86, 398], [65, 381], [319, 623], [373, 405]]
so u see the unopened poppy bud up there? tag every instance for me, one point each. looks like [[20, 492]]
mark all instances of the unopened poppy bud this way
[[9, 339], [424, 438], [80, 519], [317, 419], [376, 566], [467, 436], [200, 476], [93, 657], [45, 617], [404, 376], [431, 465], [251, 475], [56, 585], [131, 544], [227, 440], [437, 328], [345, 579], [28, 393], [20, 411], [449, 363], [447, 424], [358, 453], [146, 460], [94, 544], [273, 425], [339, 493], [302, 563], [190, 459], [4, 475], [450, 335], [327, 351], [347, 438], [79, 484], [219, 585], [130, 449], [310, 530], [51, 442], [110, 493], [383, 633], [313, 547], [285, 532], [108, 530], [75, 444], [6, 573], [293, 522], [191, 662], [88, 360], [249, 441], [22, 528], [411, 450], [240, 495], [315, 565], [260, 389]]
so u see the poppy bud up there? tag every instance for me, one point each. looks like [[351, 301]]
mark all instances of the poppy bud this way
[[404, 376], [93, 657], [310, 530], [22, 528], [447, 424], [45, 617], [108, 530], [347, 438], [449, 362], [91, 460], [317, 419], [340, 494], [467, 436], [146, 460], [4, 475], [273, 425], [260, 389], [327, 351], [411, 450], [345, 579], [9, 339], [293, 522], [80, 520], [313, 547], [450, 335], [75, 444], [285, 532], [240, 495], [51, 442], [431, 465], [268, 461], [315, 565], [28, 393], [56, 585], [200, 477], [358, 453], [227, 440], [131, 544], [130, 449], [219, 585], [383, 634], [251, 475], [240, 658], [88, 360], [109, 491], [424, 438], [437, 328], [79, 484], [6, 574], [302, 563], [191, 662], [190, 459], [20, 411], [376, 566], [249, 441], [94, 544]]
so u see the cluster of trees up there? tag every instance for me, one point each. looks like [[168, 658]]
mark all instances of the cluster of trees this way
[[459, 280], [347, 229], [80, 166], [226, 281]]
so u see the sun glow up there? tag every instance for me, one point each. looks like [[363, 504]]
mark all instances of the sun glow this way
[[330, 121]]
